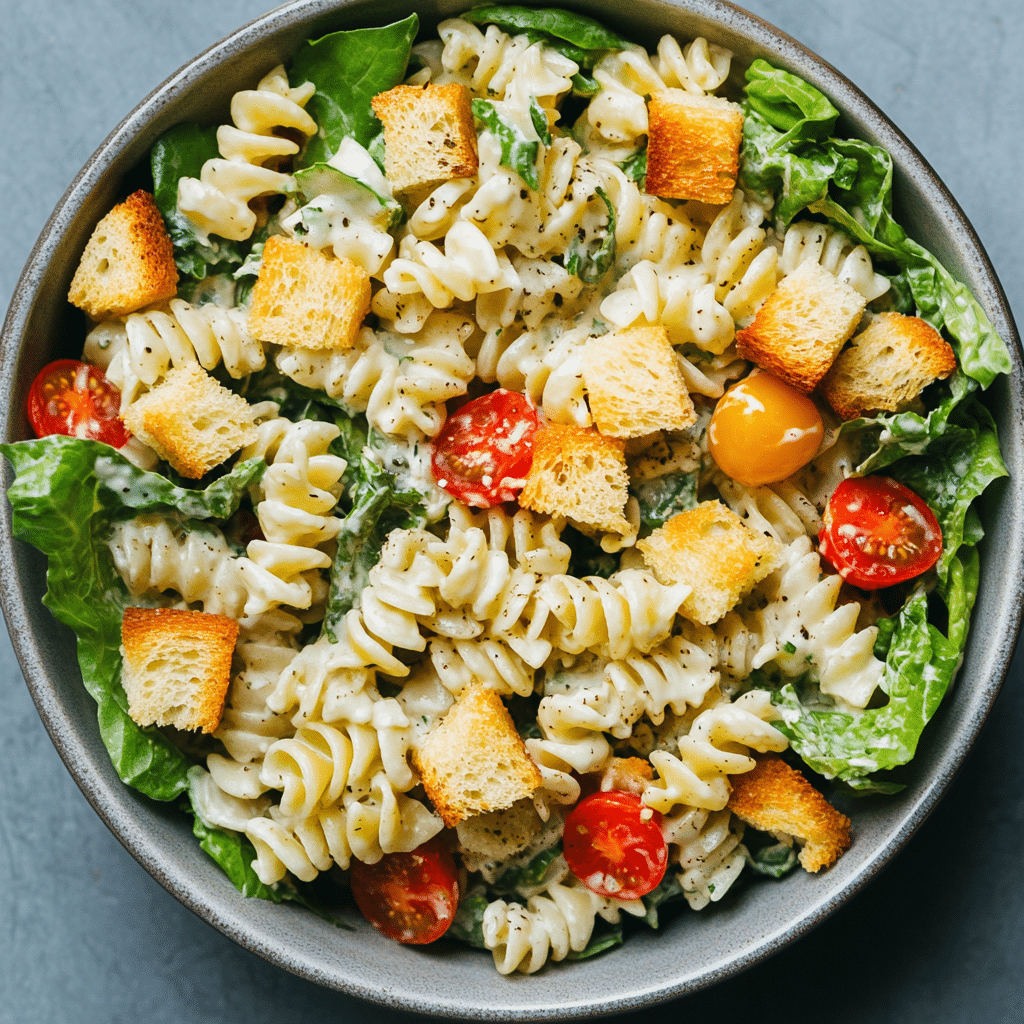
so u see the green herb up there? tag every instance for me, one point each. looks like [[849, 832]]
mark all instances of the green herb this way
[[348, 69], [635, 167], [789, 648], [518, 151], [775, 860], [468, 924], [527, 878], [592, 251], [539, 119], [359, 199]]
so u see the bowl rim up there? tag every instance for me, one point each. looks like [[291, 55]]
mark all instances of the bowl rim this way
[[117, 810]]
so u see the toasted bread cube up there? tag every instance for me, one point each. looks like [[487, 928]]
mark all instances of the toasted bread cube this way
[[191, 421], [634, 384], [177, 666], [579, 474], [498, 835], [802, 325], [693, 148], [305, 299], [715, 552], [128, 262], [776, 798], [887, 366], [475, 761], [428, 134]]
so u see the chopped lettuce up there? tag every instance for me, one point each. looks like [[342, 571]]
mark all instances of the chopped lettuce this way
[[575, 36], [65, 496], [774, 860], [920, 660], [790, 161], [348, 69], [518, 151], [660, 499], [180, 153], [377, 508], [592, 250]]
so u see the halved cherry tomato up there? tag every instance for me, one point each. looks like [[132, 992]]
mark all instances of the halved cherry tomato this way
[[409, 897], [612, 849], [763, 430], [485, 449], [876, 532], [76, 399]]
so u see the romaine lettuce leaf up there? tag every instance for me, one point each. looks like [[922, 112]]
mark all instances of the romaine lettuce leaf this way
[[788, 163], [348, 69], [66, 494], [920, 661], [181, 153]]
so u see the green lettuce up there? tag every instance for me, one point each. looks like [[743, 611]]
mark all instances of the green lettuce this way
[[660, 499], [66, 495], [920, 660], [181, 153], [348, 69], [518, 151], [376, 508], [790, 162], [592, 250], [575, 36]]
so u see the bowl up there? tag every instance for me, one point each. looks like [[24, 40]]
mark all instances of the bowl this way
[[695, 950]]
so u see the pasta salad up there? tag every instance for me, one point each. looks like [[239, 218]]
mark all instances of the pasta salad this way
[[524, 477]]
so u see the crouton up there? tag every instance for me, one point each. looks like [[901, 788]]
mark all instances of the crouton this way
[[802, 325], [498, 835], [715, 552], [776, 798], [305, 299], [475, 761], [579, 474], [693, 148], [128, 262], [633, 383], [428, 134], [191, 421], [887, 366], [177, 666]]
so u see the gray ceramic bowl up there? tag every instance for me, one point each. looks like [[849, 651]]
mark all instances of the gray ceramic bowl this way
[[694, 951]]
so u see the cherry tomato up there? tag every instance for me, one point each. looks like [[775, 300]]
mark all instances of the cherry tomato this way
[[76, 399], [763, 430], [876, 532], [485, 449], [612, 849], [409, 897]]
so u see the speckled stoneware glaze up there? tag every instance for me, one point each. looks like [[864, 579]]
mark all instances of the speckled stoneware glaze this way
[[694, 950]]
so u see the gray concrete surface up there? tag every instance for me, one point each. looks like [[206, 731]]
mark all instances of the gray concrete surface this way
[[87, 936]]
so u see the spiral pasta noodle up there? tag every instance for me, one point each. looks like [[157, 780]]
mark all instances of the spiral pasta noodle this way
[[217, 201]]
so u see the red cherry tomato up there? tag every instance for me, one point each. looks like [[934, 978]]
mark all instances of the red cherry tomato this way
[[485, 449], [76, 399], [611, 849], [409, 897], [763, 430], [876, 532]]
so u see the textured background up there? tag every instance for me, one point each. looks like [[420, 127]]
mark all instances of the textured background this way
[[87, 936]]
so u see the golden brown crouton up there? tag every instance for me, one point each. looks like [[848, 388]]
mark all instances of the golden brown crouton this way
[[305, 299], [191, 421], [498, 835], [128, 262], [579, 474], [887, 366], [693, 148], [633, 383], [802, 325], [776, 798], [715, 552], [177, 666], [475, 761], [428, 134]]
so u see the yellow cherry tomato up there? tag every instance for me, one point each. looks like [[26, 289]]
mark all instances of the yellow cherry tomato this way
[[763, 430]]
